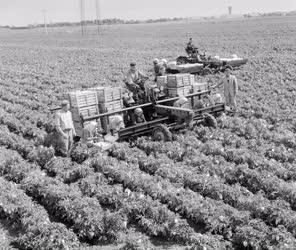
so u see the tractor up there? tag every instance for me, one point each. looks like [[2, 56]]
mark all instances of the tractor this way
[[203, 65]]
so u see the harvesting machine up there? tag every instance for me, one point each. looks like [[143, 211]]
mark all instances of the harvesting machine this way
[[162, 117], [168, 118], [201, 64]]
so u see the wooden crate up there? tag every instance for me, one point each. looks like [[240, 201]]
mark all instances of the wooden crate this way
[[198, 87], [85, 112], [81, 98], [181, 91], [179, 80], [108, 94], [111, 106], [162, 80]]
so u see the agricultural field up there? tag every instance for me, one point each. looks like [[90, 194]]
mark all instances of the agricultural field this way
[[233, 187]]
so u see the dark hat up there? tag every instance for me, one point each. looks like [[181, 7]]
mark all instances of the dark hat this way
[[132, 64]]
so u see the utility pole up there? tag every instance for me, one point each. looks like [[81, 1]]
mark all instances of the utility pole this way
[[45, 23], [82, 12], [98, 16]]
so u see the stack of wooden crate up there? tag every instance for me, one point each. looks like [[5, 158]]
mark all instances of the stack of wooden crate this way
[[179, 84], [199, 86], [109, 99], [82, 103]]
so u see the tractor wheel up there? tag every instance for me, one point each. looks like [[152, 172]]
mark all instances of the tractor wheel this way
[[161, 133], [210, 121], [207, 71]]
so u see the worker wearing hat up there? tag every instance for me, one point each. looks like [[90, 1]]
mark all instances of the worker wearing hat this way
[[164, 62], [230, 88], [190, 47], [65, 127], [134, 76], [135, 80], [156, 68], [91, 132], [182, 102], [139, 115]]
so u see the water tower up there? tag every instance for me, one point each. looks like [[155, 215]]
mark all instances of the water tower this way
[[229, 10]]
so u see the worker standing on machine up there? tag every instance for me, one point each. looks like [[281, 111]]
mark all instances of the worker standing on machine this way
[[156, 68], [65, 127], [190, 48], [164, 63], [230, 89]]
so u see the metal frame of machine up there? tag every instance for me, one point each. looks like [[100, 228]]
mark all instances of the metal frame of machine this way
[[209, 66], [167, 120]]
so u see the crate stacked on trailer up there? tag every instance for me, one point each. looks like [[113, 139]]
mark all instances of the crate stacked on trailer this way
[[198, 87], [83, 103], [179, 84], [109, 100]]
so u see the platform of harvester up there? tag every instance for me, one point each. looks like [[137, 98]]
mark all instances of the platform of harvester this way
[[168, 120]]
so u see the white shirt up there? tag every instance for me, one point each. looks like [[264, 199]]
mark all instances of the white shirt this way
[[64, 120], [230, 84], [132, 77]]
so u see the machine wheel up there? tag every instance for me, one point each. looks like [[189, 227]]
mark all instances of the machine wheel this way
[[210, 121], [161, 133], [226, 66], [132, 140], [206, 71]]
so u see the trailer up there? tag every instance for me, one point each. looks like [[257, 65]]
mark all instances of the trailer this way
[[169, 119]]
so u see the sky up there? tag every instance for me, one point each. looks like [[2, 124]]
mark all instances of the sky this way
[[24, 12]]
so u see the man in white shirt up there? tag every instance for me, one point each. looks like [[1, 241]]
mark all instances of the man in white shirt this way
[[65, 126], [135, 76], [135, 80], [230, 89]]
